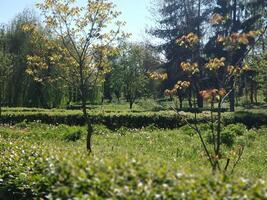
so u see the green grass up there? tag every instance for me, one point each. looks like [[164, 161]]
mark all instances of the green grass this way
[[123, 159], [178, 148]]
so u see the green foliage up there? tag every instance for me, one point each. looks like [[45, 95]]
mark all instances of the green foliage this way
[[129, 73], [259, 64]]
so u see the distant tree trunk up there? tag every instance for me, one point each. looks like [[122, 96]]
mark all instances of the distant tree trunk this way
[[70, 95], [256, 94], [251, 92], [190, 99], [180, 97], [234, 29], [118, 99], [199, 101], [131, 103], [232, 100], [246, 89], [236, 99], [232, 96], [0, 103], [199, 97]]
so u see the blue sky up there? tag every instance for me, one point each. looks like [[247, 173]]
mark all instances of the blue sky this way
[[134, 12]]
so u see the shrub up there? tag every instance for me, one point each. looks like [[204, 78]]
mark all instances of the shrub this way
[[149, 104], [228, 138], [74, 136], [236, 129], [22, 124]]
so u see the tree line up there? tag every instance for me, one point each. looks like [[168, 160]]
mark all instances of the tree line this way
[[129, 65]]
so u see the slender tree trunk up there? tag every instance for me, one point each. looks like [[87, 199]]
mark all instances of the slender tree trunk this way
[[218, 136], [180, 101], [263, 46], [251, 92], [85, 114], [199, 97], [190, 99], [199, 100], [0, 108], [232, 101], [131, 103], [246, 89], [236, 99], [0, 101], [256, 93], [232, 96], [88, 124]]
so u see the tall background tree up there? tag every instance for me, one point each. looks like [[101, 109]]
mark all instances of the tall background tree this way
[[5, 67], [187, 17], [173, 20]]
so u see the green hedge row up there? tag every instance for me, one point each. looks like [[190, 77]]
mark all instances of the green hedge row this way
[[250, 119], [111, 120], [43, 171], [131, 120]]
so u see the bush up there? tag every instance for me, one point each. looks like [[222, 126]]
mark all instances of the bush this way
[[22, 124], [149, 104], [228, 138], [236, 129], [74, 136]]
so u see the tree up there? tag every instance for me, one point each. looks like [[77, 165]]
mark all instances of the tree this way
[[17, 45], [221, 73], [131, 71], [233, 20], [5, 67], [21, 89], [133, 63], [258, 74], [173, 20], [116, 78], [84, 42]]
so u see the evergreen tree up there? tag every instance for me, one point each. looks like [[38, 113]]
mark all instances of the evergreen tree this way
[[175, 19]]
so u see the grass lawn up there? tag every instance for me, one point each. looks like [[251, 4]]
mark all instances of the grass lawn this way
[[52, 162]]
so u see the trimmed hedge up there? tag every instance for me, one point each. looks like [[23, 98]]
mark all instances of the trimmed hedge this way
[[130, 120], [250, 119], [110, 120]]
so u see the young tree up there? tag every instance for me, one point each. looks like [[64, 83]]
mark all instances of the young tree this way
[[129, 72], [85, 35], [133, 73], [222, 76], [116, 78]]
